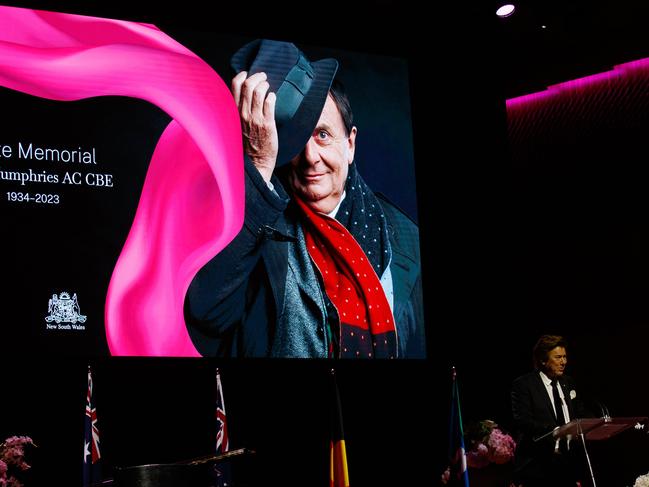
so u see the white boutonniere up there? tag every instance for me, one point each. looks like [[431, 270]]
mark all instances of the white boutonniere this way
[[573, 394]]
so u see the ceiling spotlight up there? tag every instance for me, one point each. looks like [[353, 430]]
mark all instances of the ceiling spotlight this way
[[506, 10]]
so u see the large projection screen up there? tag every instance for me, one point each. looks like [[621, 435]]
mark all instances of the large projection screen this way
[[122, 175]]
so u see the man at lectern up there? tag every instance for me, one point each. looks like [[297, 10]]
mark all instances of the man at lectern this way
[[542, 400]]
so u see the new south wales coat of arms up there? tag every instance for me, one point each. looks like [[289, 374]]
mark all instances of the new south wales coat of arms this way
[[64, 309]]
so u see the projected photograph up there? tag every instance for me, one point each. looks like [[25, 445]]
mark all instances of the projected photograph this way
[[188, 194]]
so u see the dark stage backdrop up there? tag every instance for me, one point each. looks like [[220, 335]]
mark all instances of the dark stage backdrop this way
[[487, 295], [558, 223], [162, 410], [157, 411]]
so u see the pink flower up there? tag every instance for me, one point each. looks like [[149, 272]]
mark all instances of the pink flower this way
[[479, 457], [18, 441], [12, 457], [14, 482], [488, 444], [501, 447], [446, 476]]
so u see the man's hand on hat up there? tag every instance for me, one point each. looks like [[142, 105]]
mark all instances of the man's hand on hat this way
[[257, 112]]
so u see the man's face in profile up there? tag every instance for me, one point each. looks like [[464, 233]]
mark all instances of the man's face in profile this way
[[555, 366], [320, 170]]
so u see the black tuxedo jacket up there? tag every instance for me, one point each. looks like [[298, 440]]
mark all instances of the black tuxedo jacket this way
[[533, 417]]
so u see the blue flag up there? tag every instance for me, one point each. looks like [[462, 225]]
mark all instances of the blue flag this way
[[456, 451], [91, 454]]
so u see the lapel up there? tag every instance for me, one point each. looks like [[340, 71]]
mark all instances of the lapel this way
[[542, 392], [403, 267], [404, 275], [275, 255]]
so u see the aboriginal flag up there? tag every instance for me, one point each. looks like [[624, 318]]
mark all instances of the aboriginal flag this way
[[338, 474]]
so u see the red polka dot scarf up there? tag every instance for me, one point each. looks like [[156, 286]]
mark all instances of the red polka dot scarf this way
[[367, 328]]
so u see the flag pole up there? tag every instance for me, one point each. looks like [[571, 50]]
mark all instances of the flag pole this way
[[456, 452], [222, 443], [338, 470]]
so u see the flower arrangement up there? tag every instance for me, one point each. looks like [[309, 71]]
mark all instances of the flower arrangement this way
[[487, 444], [12, 459], [642, 481]]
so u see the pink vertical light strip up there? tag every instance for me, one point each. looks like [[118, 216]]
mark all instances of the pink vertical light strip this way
[[192, 201]]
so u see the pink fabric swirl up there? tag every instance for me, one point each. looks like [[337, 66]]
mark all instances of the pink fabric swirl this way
[[192, 201]]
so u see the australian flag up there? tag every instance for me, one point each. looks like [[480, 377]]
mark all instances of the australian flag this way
[[458, 474], [91, 454], [222, 440], [222, 468]]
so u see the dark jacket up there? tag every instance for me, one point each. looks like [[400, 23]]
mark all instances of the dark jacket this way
[[536, 462], [233, 303]]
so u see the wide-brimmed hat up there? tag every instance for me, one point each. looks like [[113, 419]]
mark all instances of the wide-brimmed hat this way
[[301, 87]]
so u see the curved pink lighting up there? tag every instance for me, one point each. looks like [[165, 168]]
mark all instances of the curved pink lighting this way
[[192, 201]]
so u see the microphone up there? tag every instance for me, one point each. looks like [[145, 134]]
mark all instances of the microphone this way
[[604, 410], [607, 416]]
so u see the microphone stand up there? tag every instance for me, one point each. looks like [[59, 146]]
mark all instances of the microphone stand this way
[[583, 442]]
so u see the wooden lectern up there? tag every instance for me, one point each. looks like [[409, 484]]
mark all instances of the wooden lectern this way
[[593, 429], [596, 429]]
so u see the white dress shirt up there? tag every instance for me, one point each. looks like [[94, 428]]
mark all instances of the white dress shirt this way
[[547, 382]]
